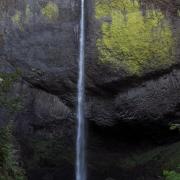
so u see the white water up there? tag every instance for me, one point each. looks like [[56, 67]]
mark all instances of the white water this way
[[80, 141]]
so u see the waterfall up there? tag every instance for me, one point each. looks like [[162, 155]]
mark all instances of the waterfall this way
[[80, 141]]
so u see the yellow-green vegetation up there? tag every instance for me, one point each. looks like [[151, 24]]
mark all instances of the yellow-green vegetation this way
[[9, 169], [51, 11], [132, 40], [16, 19]]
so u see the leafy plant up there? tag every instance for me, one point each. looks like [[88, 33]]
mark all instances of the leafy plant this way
[[12, 104], [173, 126], [9, 168], [171, 175], [51, 11]]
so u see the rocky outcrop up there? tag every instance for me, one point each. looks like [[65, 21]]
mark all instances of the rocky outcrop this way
[[126, 100], [45, 51]]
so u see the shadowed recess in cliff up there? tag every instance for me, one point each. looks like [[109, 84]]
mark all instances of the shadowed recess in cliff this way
[[134, 37]]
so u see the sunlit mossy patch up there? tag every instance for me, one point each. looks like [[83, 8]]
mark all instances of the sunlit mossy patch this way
[[132, 40], [19, 19], [51, 11], [16, 19]]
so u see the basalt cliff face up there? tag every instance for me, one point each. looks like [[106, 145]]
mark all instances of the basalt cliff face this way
[[132, 85]]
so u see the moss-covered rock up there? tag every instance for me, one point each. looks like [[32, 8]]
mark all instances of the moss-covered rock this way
[[133, 38], [51, 11]]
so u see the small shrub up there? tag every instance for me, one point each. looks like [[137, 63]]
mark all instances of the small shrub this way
[[171, 175], [9, 168], [12, 104]]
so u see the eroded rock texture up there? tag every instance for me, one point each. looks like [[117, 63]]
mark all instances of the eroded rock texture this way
[[132, 85]]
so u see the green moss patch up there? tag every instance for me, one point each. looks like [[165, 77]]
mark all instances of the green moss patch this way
[[171, 175], [51, 11], [16, 19], [132, 40]]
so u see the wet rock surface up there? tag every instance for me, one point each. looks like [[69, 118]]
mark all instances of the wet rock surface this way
[[129, 106]]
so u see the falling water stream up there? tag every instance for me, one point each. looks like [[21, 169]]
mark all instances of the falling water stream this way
[[80, 142]]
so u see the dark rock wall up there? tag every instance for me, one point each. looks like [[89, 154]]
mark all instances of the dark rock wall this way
[[128, 114], [40, 39]]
